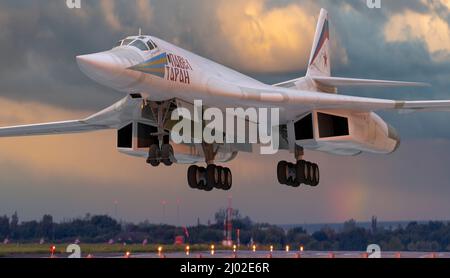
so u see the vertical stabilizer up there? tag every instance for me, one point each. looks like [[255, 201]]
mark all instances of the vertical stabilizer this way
[[319, 61]]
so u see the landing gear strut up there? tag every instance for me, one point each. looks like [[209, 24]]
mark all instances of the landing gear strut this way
[[303, 172], [212, 176], [160, 149]]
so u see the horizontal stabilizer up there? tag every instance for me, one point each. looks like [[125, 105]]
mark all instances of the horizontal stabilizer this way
[[352, 82]]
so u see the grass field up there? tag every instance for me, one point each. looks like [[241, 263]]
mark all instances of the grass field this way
[[23, 249]]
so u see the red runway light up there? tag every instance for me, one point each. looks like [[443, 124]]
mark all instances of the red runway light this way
[[52, 251]]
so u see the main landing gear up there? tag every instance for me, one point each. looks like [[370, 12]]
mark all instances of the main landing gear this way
[[303, 172], [212, 176], [160, 150]]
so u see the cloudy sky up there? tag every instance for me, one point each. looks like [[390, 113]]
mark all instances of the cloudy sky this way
[[68, 176]]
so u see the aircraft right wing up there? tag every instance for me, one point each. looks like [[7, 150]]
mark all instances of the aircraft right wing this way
[[50, 128], [109, 118]]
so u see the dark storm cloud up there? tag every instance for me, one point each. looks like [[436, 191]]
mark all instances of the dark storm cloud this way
[[39, 42], [371, 56], [361, 33]]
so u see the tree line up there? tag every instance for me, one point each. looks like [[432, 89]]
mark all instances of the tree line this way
[[431, 236]]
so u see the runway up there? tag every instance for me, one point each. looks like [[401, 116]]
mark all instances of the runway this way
[[286, 255], [247, 254]]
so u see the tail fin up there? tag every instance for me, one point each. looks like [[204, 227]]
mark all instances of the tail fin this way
[[318, 76], [319, 62]]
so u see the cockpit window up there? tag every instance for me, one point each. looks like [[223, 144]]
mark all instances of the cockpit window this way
[[127, 41], [151, 45], [139, 44]]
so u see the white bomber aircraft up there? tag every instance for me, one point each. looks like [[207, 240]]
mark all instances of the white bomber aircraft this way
[[158, 77]]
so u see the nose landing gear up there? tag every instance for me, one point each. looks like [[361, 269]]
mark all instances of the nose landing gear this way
[[160, 150], [156, 155]]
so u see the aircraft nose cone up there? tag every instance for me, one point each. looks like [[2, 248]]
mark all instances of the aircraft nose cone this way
[[101, 67], [94, 60]]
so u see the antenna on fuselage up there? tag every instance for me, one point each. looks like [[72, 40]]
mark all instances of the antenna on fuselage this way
[[140, 31]]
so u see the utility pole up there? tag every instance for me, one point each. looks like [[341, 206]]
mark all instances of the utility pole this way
[[163, 203], [116, 203], [178, 213]]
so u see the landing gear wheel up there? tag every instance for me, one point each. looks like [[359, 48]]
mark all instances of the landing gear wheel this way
[[294, 183], [201, 174], [167, 162], [316, 175], [309, 171], [301, 172], [153, 156], [166, 153], [193, 177], [292, 177], [212, 176], [222, 177], [228, 179], [282, 172]]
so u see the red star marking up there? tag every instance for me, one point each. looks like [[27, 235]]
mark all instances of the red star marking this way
[[325, 59]]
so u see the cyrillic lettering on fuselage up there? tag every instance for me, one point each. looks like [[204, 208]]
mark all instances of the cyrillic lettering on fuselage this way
[[178, 69]]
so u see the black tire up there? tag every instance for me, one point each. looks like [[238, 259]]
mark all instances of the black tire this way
[[154, 162], [309, 173], [282, 170], [292, 181], [192, 177], [295, 183], [301, 173], [222, 177], [153, 155], [212, 177], [201, 183], [228, 179], [166, 151], [316, 175]]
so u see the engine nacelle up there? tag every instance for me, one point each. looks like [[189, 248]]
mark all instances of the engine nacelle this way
[[135, 139], [343, 132]]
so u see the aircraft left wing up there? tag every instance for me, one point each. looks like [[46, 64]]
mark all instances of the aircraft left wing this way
[[350, 82], [109, 118]]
